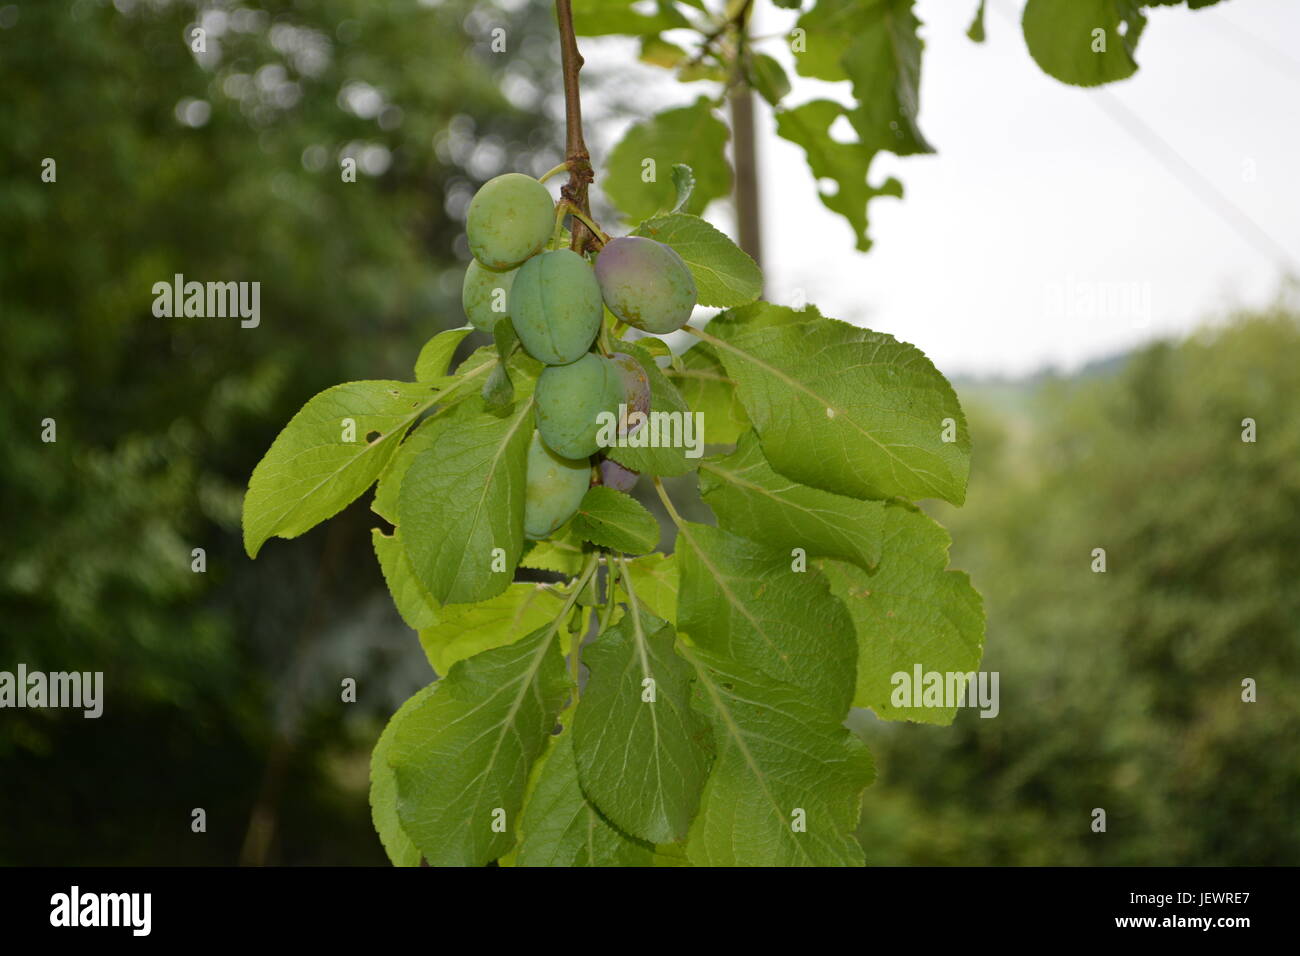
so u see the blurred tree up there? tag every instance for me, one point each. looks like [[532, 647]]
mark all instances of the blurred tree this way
[[1123, 690], [224, 165]]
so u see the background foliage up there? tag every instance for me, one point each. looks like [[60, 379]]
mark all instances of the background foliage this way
[[223, 687], [1122, 690]]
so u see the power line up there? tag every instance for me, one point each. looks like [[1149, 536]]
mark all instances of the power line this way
[[1281, 61], [1194, 181]]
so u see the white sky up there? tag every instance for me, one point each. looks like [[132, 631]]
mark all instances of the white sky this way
[[1042, 233]]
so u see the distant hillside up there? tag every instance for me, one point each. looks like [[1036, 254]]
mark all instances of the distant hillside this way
[[1014, 396]]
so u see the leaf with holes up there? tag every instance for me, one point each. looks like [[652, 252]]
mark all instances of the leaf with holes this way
[[461, 503], [328, 454], [413, 601]]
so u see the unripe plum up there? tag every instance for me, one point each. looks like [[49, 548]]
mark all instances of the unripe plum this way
[[646, 284], [613, 475], [486, 295], [636, 391], [570, 400], [555, 306], [510, 219], [553, 490]]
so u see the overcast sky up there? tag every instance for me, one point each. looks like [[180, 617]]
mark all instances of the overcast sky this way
[[1042, 233]]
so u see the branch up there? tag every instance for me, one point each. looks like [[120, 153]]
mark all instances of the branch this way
[[737, 18], [575, 147]]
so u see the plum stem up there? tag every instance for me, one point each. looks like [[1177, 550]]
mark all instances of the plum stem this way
[[575, 649], [553, 171], [668, 502], [600, 234], [577, 159]]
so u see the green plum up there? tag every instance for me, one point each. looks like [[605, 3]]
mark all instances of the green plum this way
[[486, 295], [553, 489], [555, 306], [576, 402], [511, 219], [646, 284]]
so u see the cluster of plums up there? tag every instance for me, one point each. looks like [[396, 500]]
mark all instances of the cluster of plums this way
[[556, 302]]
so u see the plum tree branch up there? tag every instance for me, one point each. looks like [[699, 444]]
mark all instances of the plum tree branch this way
[[576, 156]]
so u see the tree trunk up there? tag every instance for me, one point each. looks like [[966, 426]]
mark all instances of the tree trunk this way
[[749, 220]]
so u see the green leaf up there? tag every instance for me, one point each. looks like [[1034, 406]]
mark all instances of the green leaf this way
[[418, 439], [435, 357], [752, 500], [1080, 41], [642, 752], [462, 499], [654, 576], [599, 17], [910, 613], [845, 409], [704, 385], [669, 419], [562, 554], [744, 602], [657, 51], [383, 788], [768, 78], [976, 31], [310, 473], [561, 828], [390, 482], [884, 64], [875, 45], [414, 603], [683, 185], [690, 134], [710, 69], [829, 28], [786, 786], [724, 274], [498, 390], [464, 630], [612, 519], [846, 164], [462, 755]]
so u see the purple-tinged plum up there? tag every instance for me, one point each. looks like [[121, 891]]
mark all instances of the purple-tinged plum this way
[[613, 475], [646, 284]]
